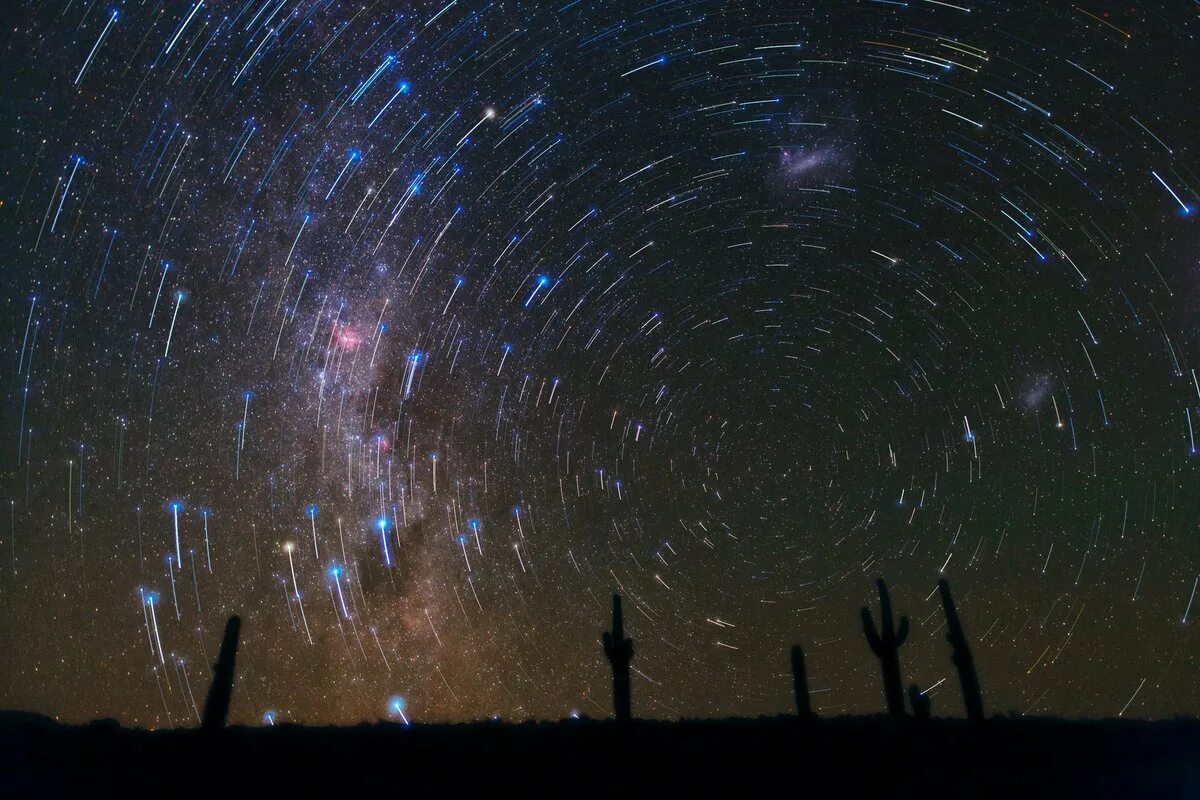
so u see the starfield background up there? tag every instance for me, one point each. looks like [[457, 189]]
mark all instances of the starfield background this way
[[412, 332]]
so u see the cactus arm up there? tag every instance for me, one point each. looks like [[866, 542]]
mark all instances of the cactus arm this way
[[902, 634]]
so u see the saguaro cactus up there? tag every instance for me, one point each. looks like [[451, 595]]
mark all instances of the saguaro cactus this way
[[961, 656], [921, 703], [216, 707], [800, 683], [619, 651], [885, 644]]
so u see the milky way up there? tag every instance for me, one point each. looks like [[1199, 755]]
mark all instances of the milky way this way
[[411, 333]]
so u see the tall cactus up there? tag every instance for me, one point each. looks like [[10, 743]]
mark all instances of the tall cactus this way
[[619, 651], [886, 647], [961, 656], [216, 707], [800, 683], [922, 704]]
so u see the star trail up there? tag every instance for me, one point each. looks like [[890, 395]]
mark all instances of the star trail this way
[[412, 332]]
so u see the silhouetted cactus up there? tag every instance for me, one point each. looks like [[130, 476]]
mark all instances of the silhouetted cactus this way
[[885, 644], [920, 702], [216, 707], [800, 683], [961, 656], [619, 652]]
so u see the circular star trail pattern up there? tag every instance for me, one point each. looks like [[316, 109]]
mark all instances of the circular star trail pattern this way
[[412, 332]]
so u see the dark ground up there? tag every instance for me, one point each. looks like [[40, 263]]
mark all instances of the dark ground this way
[[847, 757]]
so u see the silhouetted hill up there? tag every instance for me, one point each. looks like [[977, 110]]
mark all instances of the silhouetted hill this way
[[848, 756]]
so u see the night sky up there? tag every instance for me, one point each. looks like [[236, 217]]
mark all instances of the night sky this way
[[411, 332]]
